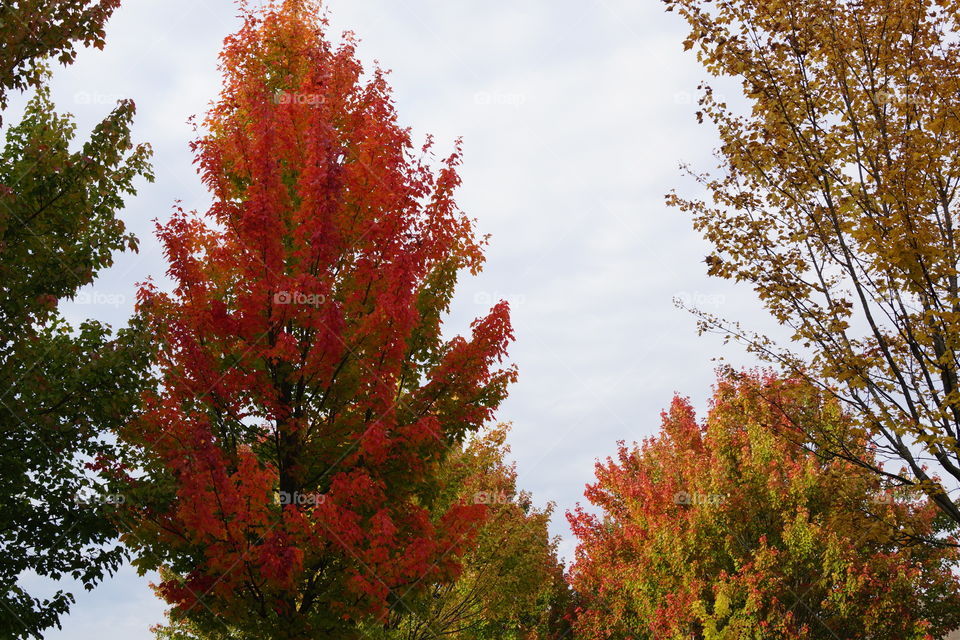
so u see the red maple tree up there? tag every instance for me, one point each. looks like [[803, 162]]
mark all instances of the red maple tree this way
[[307, 396]]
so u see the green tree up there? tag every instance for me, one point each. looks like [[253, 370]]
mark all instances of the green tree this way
[[32, 31], [62, 389]]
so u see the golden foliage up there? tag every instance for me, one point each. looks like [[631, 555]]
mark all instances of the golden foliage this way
[[835, 201]]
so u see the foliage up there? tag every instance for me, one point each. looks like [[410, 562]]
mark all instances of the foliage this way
[[301, 353], [63, 388], [32, 31], [726, 529], [836, 200], [511, 584]]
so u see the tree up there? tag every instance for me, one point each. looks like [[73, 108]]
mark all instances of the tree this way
[[34, 30], [836, 202], [511, 584], [727, 530], [291, 456], [63, 388]]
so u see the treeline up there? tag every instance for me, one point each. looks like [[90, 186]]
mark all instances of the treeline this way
[[287, 438]]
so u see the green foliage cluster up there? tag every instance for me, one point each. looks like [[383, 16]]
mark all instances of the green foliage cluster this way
[[63, 388]]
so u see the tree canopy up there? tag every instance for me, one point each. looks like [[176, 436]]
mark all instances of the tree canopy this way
[[63, 389], [726, 529], [292, 452], [835, 200]]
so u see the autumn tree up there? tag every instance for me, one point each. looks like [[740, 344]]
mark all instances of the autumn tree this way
[[291, 456], [64, 389], [511, 584], [835, 201], [725, 529]]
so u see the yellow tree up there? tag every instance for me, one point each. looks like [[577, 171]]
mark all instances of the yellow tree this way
[[835, 200]]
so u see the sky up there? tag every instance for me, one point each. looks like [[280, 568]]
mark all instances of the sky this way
[[575, 118]]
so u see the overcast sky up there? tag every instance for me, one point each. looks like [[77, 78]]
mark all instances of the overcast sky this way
[[575, 117]]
